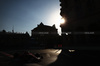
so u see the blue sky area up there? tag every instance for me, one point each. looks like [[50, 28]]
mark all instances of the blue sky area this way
[[24, 15]]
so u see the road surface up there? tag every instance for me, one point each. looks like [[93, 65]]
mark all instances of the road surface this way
[[57, 57], [49, 56]]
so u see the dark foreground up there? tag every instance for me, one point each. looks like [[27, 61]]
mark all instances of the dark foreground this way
[[49, 56], [56, 57], [78, 58]]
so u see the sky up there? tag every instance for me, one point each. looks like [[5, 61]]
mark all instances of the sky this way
[[25, 15]]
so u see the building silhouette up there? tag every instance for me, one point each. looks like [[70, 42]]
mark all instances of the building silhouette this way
[[46, 35], [82, 22], [42, 29]]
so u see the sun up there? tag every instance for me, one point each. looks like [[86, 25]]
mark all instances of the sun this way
[[62, 21]]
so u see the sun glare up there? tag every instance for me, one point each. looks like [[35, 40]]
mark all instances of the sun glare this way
[[56, 19], [62, 21]]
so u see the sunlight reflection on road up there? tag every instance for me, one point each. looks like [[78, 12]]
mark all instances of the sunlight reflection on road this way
[[58, 51]]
